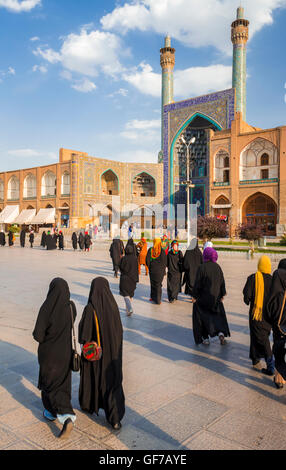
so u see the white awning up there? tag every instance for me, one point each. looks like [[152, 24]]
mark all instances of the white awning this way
[[25, 217], [221, 206], [9, 214], [44, 216]]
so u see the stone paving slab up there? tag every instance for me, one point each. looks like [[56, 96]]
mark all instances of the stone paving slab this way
[[178, 395]]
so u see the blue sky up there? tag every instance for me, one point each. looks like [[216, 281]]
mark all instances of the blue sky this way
[[85, 74]]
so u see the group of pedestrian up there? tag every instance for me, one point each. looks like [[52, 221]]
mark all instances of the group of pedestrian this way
[[100, 334], [23, 234], [52, 241], [100, 328], [81, 241]]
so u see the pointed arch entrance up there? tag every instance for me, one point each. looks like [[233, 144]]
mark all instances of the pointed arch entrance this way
[[198, 126], [261, 209]]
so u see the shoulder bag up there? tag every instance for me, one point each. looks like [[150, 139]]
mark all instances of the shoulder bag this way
[[92, 351]]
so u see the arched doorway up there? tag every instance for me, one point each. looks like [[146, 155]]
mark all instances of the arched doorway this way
[[144, 185], [222, 208], [110, 183], [261, 210]]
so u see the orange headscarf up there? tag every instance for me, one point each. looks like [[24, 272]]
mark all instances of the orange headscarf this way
[[156, 250]]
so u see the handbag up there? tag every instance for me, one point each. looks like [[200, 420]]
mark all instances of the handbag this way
[[92, 351], [282, 331], [75, 361]]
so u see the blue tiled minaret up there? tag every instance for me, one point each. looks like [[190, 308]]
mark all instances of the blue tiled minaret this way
[[167, 61], [239, 37]]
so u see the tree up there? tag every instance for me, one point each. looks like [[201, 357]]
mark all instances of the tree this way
[[211, 227], [250, 232]]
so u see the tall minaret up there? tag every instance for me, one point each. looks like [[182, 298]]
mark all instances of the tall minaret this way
[[239, 37], [167, 63]]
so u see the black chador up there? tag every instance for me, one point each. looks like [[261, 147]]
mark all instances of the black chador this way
[[22, 238], [101, 381], [260, 329], [31, 239], [156, 261], [44, 239], [11, 238], [129, 273], [116, 251], [51, 242], [209, 318], [61, 241], [192, 260], [81, 241], [74, 241], [53, 332], [276, 315], [175, 268], [2, 239], [132, 245]]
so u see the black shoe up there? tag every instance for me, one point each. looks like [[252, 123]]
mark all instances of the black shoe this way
[[267, 372], [277, 385], [67, 429], [117, 426]]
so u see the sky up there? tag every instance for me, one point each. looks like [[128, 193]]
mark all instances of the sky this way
[[86, 75]]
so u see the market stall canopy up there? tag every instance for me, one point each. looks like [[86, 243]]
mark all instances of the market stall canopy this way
[[25, 217], [9, 214], [44, 216], [221, 206]]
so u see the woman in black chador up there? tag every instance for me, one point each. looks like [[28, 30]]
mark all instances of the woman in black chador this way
[[53, 332], [116, 251], [132, 245], [175, 268], [101, 381], [61, 241], [276, 315], [255, 293], [156, 261], [192, 260], [44, 239], [11, 238], [51, 243], [31, 239], [74, 241], [209, 318], [81, 241], [129, 278], [22, 238], [2, 238]]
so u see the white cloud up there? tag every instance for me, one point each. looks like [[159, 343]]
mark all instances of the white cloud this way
[[121, 92], [49, 55], [144, 79], [40, 68], [11, 71], [206, 25], [142, 130], [84, 86], [137, 156], [87, 53], [34, 39], [18, 6], [187, 83], [31, 153]]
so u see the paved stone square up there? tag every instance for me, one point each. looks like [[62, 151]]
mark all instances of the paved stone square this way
[[178, 395]]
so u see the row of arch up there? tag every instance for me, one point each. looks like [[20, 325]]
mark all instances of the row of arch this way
[[48, 186], [143, 185]]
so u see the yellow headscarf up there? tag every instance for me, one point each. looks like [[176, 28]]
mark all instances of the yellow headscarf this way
[[264, 267], [156, 250]]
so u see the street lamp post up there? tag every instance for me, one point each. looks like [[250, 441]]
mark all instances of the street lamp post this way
[[188, 183]]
